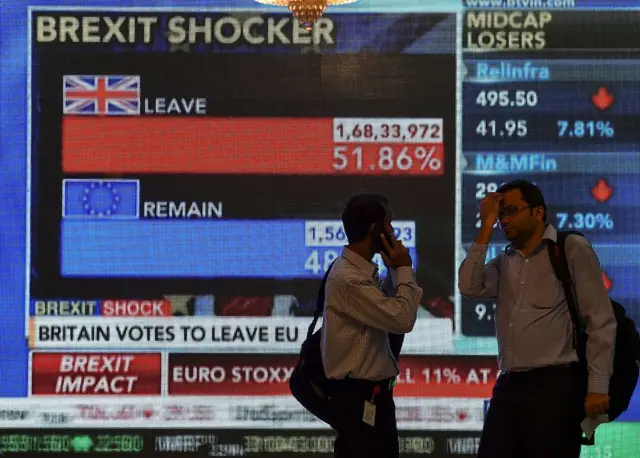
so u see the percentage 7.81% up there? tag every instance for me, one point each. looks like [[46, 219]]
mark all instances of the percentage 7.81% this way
[[423, 159], [585, 129]]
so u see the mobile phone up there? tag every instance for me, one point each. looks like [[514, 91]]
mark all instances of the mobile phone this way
[[376, 234]]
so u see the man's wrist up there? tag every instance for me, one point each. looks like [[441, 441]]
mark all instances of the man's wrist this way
[[598, 384], [483, 236], [402, 274]]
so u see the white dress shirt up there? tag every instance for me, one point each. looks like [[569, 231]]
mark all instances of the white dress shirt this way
[[358, 317]]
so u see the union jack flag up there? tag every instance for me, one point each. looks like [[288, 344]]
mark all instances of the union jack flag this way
[[101, 95]]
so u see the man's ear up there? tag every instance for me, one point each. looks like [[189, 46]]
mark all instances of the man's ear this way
[[372, 229], [539, 212]]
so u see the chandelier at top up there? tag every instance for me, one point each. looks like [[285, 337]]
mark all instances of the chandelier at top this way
[[307, 11]]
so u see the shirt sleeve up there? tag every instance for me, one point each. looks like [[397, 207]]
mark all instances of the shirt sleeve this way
[[596, 311], [475, 279], [366, 303], [388, 283]]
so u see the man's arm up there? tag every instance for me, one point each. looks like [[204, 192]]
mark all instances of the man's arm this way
[[395, 340], [475, 279], [596, 311], [367, 304], [388, 283]]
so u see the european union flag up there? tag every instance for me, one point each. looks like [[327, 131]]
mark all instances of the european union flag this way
[[100, 199]]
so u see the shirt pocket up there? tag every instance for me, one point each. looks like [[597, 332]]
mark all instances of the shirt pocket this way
[[545, 291]]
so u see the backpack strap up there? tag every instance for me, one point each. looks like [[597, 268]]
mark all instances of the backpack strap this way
[[319, 302], [558, 258]]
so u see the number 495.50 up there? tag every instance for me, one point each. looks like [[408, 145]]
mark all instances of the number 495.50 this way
[[506, 98]]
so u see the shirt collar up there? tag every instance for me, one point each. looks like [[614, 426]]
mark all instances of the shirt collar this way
[[550, 233], [361, 263]]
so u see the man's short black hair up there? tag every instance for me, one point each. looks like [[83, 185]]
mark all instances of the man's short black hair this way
[[361, 212], [531, 194]]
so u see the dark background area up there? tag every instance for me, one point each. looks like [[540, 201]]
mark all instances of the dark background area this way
[[362, 85]]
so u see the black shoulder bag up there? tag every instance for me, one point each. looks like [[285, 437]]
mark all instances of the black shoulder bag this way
[[627, 346], [308, 382]]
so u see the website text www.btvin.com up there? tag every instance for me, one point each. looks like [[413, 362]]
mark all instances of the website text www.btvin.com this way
[[520, 3]]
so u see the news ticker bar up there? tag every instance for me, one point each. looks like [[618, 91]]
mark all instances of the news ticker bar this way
[[219, 442], [200, 248], [115, 374], [236, 411], [287, 146], [219, 334]]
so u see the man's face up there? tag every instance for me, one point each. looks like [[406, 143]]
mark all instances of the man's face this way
[[388, 228], [517, 218]]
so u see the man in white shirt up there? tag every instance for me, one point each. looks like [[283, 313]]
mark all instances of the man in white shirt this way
[[359, 316]]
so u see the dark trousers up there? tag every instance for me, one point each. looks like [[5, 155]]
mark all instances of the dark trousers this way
[[535, 414], [356, 438]]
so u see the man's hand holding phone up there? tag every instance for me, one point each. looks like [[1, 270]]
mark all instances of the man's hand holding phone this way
[[394, 253]]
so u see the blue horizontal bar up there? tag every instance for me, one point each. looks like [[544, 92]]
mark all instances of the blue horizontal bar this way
[[204, 249]]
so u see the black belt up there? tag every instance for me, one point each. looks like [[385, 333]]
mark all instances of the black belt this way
[[353, 385], [542, 370]]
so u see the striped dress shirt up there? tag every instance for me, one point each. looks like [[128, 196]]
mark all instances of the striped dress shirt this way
[[359, 314], [533, 323]]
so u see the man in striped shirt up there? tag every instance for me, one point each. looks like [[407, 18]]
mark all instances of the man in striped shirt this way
[[359, 314]]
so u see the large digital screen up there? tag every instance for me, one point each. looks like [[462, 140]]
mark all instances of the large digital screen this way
[[175, 180]]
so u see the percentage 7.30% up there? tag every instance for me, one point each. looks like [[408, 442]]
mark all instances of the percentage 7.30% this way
[[582, 220]]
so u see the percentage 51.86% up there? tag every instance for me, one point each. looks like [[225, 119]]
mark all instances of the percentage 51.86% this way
[[397, 159]]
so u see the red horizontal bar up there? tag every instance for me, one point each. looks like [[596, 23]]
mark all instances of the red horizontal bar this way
[[290, 146], [420, 376]]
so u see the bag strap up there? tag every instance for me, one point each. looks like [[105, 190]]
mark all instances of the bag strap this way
[[319, 302], [558, 257]]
